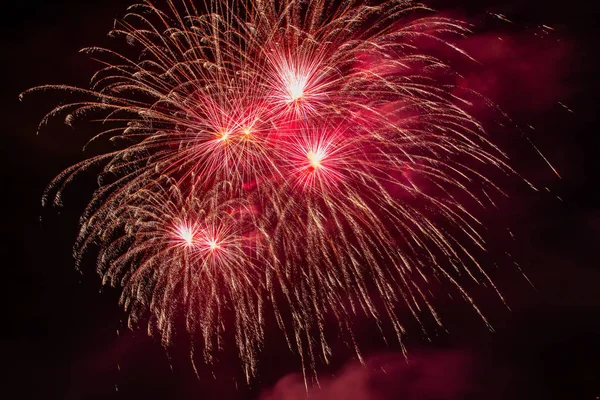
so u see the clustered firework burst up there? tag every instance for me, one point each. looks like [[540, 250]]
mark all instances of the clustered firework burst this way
[[304, 159]]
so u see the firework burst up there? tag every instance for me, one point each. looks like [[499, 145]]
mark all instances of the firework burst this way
[[303, 159]]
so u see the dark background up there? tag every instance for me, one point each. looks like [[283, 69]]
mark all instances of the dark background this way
[[59, 335]]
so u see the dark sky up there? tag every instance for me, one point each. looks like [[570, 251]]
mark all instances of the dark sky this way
[[59, 335]]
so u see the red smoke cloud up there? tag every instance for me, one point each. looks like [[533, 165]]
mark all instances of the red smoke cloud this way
[[523, 72], [446, 375]]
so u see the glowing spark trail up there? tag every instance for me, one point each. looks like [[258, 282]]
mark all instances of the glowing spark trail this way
[[297, 159]]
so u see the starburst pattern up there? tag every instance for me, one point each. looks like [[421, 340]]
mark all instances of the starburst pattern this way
[[306, 160]]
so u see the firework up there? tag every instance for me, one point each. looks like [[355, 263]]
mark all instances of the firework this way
[[300, 159]]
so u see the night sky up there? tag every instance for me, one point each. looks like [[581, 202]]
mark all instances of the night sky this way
[[64, 338]]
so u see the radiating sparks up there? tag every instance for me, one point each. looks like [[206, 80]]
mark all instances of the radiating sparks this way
[[186, 233], [213, 244], [298, 159], [315, 158], [295, 87]]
